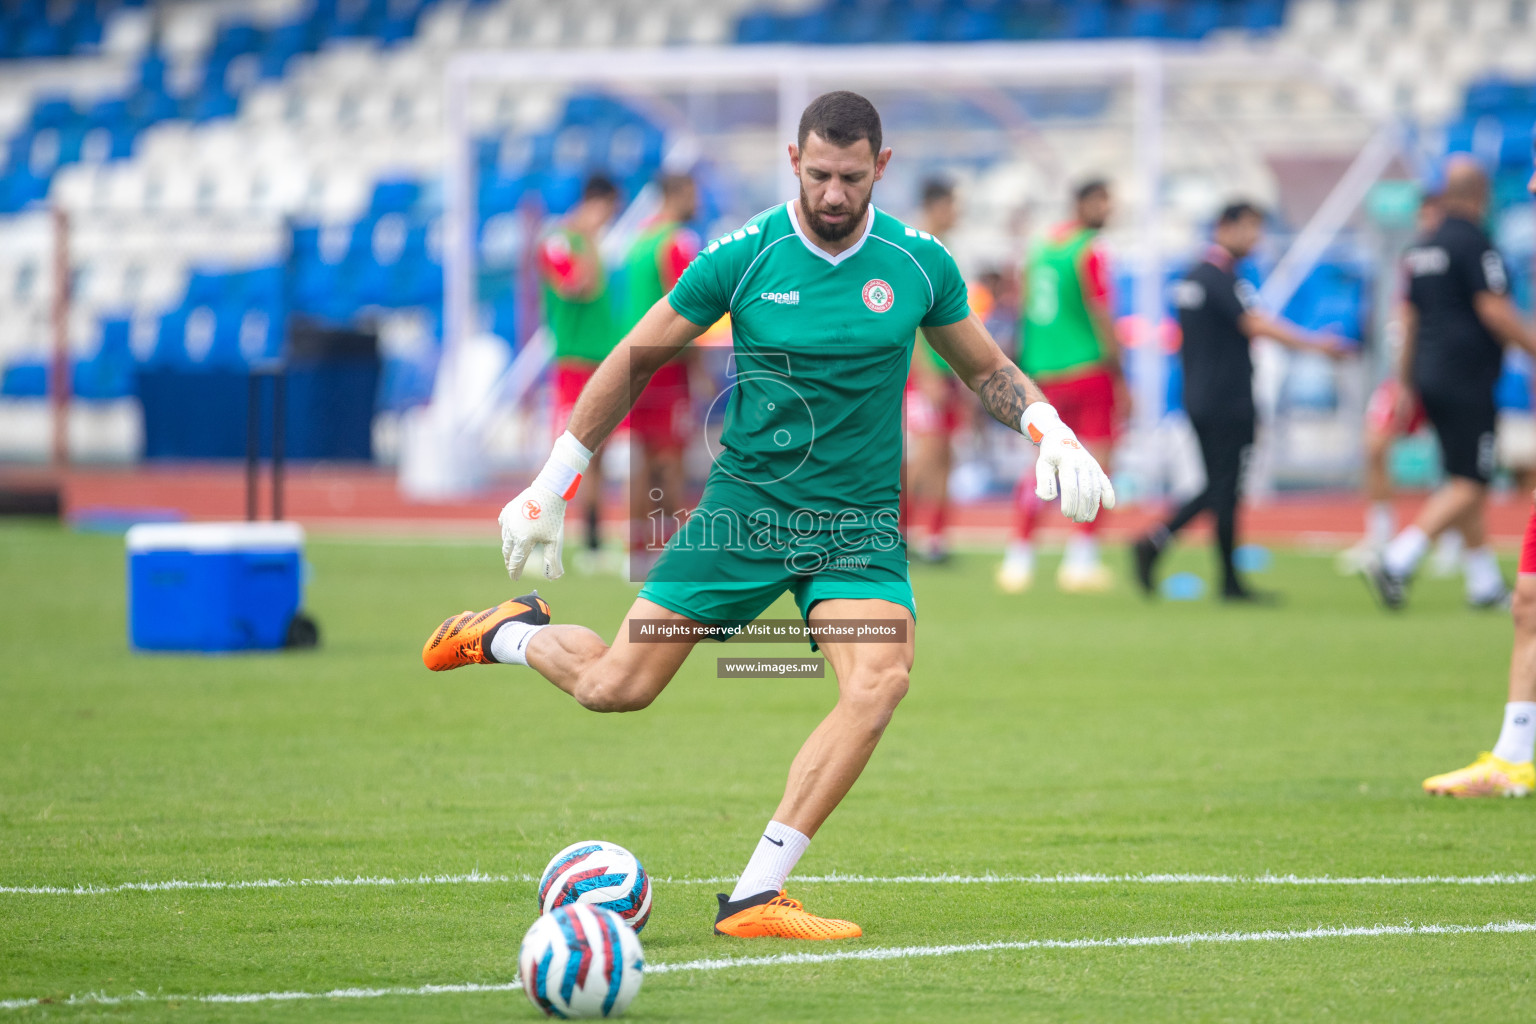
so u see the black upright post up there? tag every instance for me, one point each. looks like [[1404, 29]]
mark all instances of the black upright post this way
[[279, 402], [252, 444]]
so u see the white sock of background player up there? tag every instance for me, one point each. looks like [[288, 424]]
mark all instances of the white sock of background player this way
[[1517, 740]]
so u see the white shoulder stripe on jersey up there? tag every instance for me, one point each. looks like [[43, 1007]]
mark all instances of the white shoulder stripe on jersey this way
[[932, 298], [748, 272]]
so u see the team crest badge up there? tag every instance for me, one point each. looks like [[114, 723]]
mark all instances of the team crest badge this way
[[878, 295]]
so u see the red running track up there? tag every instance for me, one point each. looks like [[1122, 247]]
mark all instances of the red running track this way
[[334, 498]]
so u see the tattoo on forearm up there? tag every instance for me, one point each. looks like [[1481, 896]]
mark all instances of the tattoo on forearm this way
[[1003, 396]]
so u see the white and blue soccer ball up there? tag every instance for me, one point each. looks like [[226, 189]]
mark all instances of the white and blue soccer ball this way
[[598, 874], [581, 961]]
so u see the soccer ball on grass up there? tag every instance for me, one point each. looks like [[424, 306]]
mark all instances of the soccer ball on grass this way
[[597, 874], [581, 961]]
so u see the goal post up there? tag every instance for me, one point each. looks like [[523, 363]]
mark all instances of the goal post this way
[[1140, 72]]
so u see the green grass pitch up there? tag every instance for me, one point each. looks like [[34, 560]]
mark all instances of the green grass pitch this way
[[1044, 734]]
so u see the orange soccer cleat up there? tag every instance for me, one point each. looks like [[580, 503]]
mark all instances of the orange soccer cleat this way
[[464, 639], [772, 915]]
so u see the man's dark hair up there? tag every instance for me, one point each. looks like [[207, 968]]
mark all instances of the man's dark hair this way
[[842, 118], [674, 182], [937, 190], [1236, 211], [599, 186], [1090, 188]]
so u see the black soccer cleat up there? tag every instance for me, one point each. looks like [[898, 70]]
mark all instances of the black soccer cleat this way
[[1390, 589], [1144, 556]]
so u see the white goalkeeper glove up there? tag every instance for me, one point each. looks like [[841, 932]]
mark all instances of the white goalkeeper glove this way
[[1084, 486], [537, 515]]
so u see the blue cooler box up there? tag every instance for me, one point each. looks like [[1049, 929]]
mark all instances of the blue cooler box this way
[[213, 586]]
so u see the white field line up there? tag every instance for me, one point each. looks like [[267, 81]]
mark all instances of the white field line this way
[[874, 953], [478, 877], [259, 883]]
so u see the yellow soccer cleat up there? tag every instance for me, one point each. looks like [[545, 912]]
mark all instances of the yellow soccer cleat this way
[[463, 639], [773, 915], [1487, 776]]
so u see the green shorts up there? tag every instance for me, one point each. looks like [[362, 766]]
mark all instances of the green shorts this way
[[733, 604]]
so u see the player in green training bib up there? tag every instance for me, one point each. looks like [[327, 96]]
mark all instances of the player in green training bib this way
[[661, 422], [1068, 344], [826, 294], [578, 312], [936, 402]]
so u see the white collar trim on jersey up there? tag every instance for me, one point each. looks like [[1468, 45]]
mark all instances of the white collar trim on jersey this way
[[869, 225]]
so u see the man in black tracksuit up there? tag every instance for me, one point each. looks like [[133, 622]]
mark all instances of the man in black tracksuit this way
[[1218, 321], [1457, 318]]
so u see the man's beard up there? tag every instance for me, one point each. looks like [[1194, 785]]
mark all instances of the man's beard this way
[[831, 232]]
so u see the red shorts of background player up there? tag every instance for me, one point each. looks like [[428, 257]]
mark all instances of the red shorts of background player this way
[[1378, 411], [1528, 547], [662, 419], [571, 375], [1086, 403], [925, 416]]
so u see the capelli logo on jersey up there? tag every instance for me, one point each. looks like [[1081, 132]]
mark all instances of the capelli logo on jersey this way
[[782, 298]]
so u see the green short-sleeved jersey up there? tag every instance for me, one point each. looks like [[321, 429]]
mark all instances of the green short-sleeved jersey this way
[[822, 344]]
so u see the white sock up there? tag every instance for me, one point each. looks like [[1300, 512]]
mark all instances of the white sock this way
[[1518, 737], [1482, 573], [1020, 555], [1448, 553], [1406, 550], [777, 853], [510, 644], [1380, 523], [1082, 552]]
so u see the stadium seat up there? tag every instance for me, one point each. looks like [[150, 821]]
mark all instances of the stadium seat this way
[[108, 374], [25, 378], [1088, 19]]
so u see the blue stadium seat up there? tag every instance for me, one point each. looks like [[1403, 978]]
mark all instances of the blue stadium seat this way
[[1262, 15], [1148, 19], [41, 38], [25, 378], [973, 22], [1196, 19], [758, 28], [319, 288], [1088, 19], [500, 195], [282, 44], [394, 196], [211, 102], [811, 28], [20, 188], [419, 276], [559, 191], [108, 374]]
